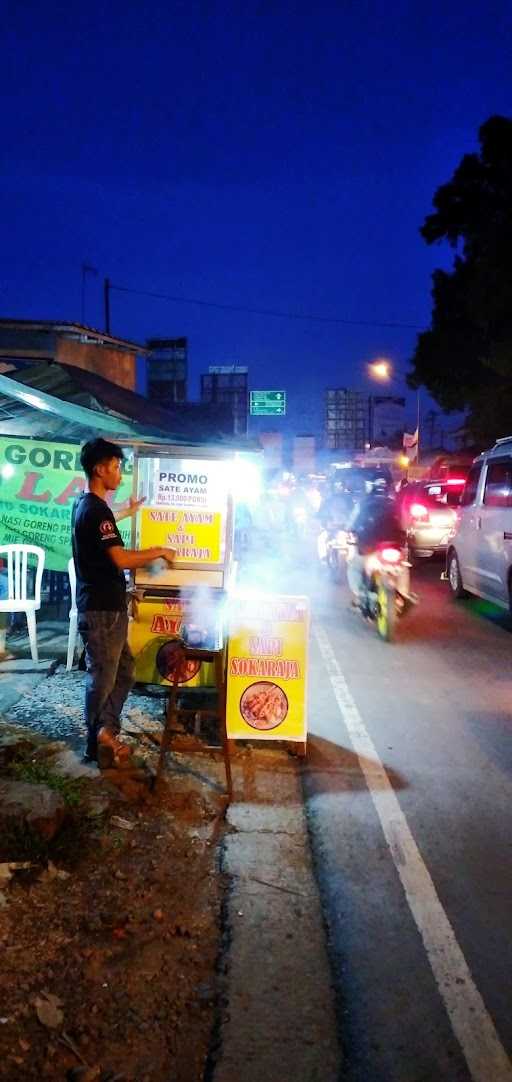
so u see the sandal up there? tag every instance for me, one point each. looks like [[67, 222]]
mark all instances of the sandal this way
[[111, 750]]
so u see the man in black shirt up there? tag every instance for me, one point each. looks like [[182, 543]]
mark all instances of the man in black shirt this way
[[374, 520], [100, 559]]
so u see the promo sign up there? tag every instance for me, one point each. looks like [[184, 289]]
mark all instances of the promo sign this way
[[186, 508], [39, 481], [267, 668]]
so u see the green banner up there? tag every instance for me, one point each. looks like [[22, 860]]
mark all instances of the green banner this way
[[39, 481]]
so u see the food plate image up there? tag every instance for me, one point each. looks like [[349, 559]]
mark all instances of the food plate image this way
[[167, 659], [264, 705]]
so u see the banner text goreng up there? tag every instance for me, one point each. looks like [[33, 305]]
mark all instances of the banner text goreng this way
[[39, 481]]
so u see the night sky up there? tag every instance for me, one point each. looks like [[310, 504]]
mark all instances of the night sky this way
[[273, 155]]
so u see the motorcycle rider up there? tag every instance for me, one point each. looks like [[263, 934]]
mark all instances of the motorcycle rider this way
[[334, 514], [374, 520]]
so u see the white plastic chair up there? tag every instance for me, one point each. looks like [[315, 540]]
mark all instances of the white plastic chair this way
[[73, 615], [16, 558]]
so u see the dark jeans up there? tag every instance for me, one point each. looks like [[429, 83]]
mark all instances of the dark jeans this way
[[110, 671]]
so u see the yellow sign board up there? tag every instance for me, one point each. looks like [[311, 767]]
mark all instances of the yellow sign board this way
[[267, 668], [153, 636], [196, 535]]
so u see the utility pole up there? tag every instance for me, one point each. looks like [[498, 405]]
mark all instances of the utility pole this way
[[106, 301], [418, 425]]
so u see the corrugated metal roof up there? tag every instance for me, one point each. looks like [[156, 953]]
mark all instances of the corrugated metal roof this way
[[69, 327], [122, 409]]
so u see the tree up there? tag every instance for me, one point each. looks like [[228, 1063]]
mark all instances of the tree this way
[[465, 358]]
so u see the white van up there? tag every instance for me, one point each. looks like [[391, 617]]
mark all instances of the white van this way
[[479, 554]]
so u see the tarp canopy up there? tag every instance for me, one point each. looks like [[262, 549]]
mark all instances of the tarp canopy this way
[[52, 400], [46, 411]]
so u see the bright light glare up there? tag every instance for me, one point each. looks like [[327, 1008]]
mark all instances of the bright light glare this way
[[390, 556], [418, 510], [380, 369], [245, 479], [315, 498], [33, 400], [7, 471], [456, 481]]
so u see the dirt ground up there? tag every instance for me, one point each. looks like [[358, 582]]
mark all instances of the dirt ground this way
[[110, 943]]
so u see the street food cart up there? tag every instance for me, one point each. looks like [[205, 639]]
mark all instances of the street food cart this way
[[185, 614], [177, 629]]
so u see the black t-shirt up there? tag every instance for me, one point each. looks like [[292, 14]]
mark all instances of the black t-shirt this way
[[374, 520], [99, 584]]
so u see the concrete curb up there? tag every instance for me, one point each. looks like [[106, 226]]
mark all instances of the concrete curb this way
[[281, 1022]]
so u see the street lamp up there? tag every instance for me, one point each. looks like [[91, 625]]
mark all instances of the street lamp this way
[[382, 369]]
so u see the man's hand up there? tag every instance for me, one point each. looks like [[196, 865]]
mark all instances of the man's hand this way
[[133, 506], [169, 555], [131, 559]]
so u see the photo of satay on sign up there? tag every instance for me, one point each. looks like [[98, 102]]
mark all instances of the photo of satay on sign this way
[[264, 705]]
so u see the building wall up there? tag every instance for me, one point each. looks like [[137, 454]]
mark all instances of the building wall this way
[[272, 443], [304, 454], [347, 422], [27, 342], [167, 368], [228, 388], [114, 364]]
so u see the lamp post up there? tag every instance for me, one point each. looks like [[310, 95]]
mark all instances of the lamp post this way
[[382, 369]]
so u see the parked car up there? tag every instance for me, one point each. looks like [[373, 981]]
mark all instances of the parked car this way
[[448, 490], [479, 555], [357, 479], [428, 517], [447, 467]]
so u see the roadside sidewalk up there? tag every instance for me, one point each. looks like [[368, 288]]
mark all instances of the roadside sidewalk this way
[[279, 1023], [273, 1014]]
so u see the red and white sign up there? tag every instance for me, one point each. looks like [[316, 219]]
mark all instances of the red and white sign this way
[[411, 445]]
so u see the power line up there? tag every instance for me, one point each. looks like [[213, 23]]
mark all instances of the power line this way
[[264, 311]]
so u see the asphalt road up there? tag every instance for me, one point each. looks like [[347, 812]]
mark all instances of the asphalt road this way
[[408, 790]]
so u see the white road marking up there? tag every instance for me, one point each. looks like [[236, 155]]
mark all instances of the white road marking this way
[[485, 1056]]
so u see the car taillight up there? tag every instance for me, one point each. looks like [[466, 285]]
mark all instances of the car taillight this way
[[390, 555], [418, 511], [460, 481]]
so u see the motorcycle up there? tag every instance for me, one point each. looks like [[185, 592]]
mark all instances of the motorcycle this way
[[299, 522], [336, 547], [384, 595]]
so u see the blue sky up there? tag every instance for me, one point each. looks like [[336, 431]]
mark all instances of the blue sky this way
[[268, 155]]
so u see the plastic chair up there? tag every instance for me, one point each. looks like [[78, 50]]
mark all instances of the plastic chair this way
[[16, 558], [73, 615]]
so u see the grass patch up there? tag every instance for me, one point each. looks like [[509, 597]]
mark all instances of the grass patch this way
[[37, 773]]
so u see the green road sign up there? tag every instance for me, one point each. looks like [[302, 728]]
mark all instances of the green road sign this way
[[268, 403]]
